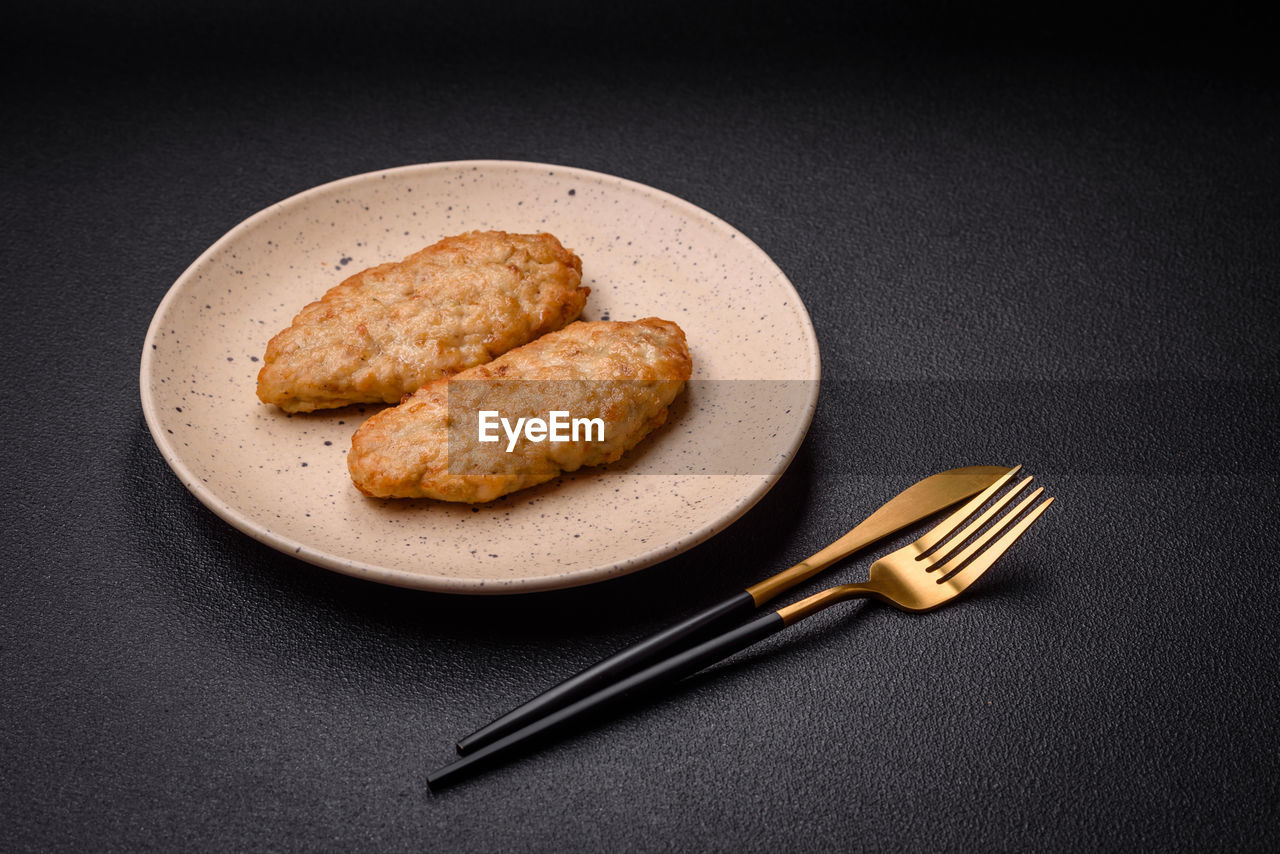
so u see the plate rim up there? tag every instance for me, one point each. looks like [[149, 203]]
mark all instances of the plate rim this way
[[444, 584]]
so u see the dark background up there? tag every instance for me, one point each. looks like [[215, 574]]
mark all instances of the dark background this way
[[1047, 238]]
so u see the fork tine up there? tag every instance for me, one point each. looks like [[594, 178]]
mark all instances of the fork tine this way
[[962, 579], [945, 528], [936, 558], [955, 562]]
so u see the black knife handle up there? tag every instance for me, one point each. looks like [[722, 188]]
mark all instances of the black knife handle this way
[[616, 666], [632, 687]]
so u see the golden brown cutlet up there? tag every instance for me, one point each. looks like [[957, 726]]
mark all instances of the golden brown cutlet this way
[[390, 329], [624, 373]]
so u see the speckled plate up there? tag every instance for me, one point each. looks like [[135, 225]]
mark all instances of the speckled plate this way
[[283, 480]]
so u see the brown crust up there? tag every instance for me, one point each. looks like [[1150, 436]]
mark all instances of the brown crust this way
[[626, 374], [387, 330]]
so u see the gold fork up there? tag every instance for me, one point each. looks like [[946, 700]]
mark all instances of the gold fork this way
[[935, 568], [918, 577]]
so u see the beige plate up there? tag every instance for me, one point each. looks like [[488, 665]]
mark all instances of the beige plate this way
[[283, 479]]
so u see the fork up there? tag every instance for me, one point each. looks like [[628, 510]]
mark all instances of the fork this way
[[920, 576]]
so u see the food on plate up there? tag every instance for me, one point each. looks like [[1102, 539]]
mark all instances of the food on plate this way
[[623, 375], [388, 330]]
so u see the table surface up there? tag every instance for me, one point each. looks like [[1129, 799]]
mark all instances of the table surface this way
[[1059, 255]]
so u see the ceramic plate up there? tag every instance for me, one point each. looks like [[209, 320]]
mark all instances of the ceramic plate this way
[[282, 479]]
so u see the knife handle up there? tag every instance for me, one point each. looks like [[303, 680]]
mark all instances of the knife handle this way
[[631, 688], [734, 609]]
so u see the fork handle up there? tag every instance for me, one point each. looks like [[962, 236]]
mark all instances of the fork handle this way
[[630, 688], [626, 661]]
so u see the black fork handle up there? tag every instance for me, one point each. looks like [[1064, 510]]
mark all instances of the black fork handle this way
[[631, 688], [629, 660]]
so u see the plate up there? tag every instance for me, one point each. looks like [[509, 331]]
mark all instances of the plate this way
[[282, 479]]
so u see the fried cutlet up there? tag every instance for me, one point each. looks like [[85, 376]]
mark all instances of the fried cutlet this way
[[624, 373], [388, 330]]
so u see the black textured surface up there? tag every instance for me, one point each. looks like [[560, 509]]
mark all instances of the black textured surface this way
[[1058, 250]]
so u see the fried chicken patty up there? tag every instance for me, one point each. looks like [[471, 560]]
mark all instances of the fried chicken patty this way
[[624, 373], [388, 330]]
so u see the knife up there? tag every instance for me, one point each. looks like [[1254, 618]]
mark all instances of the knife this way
[[917, 502]]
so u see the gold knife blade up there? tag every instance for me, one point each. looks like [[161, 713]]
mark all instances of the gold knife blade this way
[[915, 503]]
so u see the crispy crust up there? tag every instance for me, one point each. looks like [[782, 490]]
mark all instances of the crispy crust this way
[[626, 374], [390, 329]]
